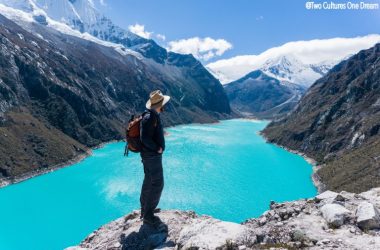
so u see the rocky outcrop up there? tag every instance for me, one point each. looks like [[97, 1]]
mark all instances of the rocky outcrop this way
[[262, 96], [337, 123], [329, 221]]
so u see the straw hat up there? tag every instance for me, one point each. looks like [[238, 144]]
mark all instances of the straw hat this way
[[156, 100]]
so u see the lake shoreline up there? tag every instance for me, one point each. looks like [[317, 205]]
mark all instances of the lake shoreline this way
[[4, 182], [315, 167], [80, 157]]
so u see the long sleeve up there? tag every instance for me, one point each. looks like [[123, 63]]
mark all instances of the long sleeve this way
[[161, 137], [147, 131]]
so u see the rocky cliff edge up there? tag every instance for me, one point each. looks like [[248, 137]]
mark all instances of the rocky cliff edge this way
[[328, 221]]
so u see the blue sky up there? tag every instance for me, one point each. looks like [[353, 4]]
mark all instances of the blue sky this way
[[250, 26]]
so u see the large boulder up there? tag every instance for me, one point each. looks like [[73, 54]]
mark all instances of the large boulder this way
[[334, 214], [327, 195], [211, 234], [180, 229], [367, 216]]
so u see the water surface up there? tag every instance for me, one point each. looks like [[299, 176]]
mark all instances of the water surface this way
[[225, 170]]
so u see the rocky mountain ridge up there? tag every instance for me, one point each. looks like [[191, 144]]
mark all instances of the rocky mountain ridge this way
[[337, 124], [67, 16], [262, 96], [274, 90], [328, 221], [61, 94]]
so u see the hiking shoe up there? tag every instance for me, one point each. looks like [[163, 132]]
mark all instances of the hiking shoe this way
[[154, 221], [156, 210]]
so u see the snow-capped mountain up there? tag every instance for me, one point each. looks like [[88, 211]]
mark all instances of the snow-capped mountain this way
[[78, 91], [290, 69], [301, 62], [273, 90], [286, 69], [24, 5], [81, 16]]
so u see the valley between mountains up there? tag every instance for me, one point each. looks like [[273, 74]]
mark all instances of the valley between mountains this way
[[70, 79], [62, 95]]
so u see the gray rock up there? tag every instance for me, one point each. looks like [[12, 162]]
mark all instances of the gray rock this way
[[209, 233], [326, 195], [191, 231], [299, 235], [341, 197], [334, 214], [325, 241], [367, 216], [262, 220]]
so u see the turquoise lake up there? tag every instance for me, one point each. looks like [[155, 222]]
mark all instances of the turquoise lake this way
[[225, 170]]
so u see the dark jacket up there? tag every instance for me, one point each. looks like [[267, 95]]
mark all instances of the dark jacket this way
[[151, 133]]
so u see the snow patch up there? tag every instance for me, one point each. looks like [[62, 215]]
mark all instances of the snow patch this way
[[21, 17], [20, 36]]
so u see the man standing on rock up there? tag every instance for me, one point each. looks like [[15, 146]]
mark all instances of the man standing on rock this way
[[153, 145]]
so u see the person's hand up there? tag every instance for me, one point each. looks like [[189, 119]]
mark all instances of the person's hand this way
[[160, 151]]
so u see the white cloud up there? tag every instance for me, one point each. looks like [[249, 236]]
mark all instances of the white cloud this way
[[140, 30], [201, 48], [161, 37], [102, 2], [308, 52]]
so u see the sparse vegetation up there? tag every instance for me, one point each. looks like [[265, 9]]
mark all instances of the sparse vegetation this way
[[337, 123]]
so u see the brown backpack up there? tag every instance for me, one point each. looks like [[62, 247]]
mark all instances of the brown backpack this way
[[132, 135]]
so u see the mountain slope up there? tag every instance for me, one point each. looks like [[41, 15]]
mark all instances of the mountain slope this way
[[81, 15], [83, 19], [338, 123], [61, 95], [262, 96], [273, 90]]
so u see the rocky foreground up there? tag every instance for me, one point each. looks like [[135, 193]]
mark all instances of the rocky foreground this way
[[328, 221]]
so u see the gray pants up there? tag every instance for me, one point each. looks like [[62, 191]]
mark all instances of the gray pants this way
[[153, 184]]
